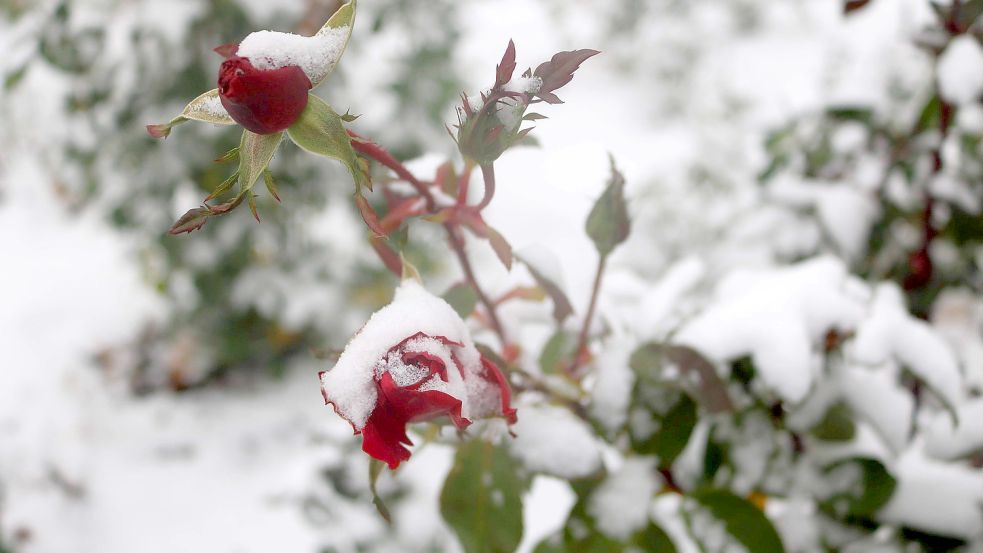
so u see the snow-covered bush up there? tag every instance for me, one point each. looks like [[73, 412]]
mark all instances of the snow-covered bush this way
[[800, 368]]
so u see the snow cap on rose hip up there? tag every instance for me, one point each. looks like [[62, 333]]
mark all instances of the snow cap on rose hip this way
[[414, 360]]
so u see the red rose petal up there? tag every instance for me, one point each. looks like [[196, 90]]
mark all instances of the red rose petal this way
[[262, 101], [384, 434]]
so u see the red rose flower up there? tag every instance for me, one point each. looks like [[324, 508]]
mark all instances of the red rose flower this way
[[413, 361], [263, 101]]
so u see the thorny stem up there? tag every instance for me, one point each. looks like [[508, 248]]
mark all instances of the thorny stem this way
[[457, 244], [379, 154], [488, 173], [581, 354]]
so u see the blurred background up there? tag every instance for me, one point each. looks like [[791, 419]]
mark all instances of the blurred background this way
[[159, 393]]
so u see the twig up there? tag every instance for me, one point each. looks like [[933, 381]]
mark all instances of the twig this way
[[457, 244], [371, 149], [581, 354]]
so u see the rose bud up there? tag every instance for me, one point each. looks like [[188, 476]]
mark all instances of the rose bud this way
[[264, 80], [414, 360], [263, 101]]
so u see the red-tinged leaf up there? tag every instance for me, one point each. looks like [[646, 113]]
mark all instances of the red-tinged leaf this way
[[501, 246], [224, 187], [369, 215], [251, 200], [562, 308], [406, 208], [533, 116], [389, 258], [494, 133], [227, 50], [231, 155], [223, 208], [549, 97], [193, 220], [559, 70], [505, 69], [446, 179], [271, 185], [159, 131], [850, 6]]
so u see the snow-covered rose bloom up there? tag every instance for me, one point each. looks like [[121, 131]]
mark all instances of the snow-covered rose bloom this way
[[414, 360]]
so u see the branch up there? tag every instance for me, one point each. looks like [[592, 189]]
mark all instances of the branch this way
[[457, 244]]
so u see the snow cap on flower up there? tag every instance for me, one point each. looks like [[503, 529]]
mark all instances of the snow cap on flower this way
[[414, 360]]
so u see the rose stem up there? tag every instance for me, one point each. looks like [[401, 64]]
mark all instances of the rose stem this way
[[379, 154], [581, 353]]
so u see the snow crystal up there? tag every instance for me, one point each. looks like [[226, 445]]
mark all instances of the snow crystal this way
[[316, 55], [524, 85], [776, 317], [208, 105], [891, 333], [620, 505], [554, 441], [960, 70], [350, 384], [948, 442]]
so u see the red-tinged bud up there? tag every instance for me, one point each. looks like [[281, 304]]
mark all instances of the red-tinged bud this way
[[262, 101]]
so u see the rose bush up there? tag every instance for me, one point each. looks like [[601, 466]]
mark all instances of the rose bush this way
[[414, 360]]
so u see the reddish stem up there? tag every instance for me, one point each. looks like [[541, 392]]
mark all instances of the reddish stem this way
[[582, 354], [371, 149], [378, 153], [488, 174]]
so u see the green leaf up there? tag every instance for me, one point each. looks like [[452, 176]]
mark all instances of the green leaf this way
[[561, 304], [375, 468], [675, 428], [558, 348], [206, 107], [255, 153], [742, 519], [874, 490], [462, 298], [608, 224], [319, 130], [836, 425], [482, 499], [698, 375], [343, 17]]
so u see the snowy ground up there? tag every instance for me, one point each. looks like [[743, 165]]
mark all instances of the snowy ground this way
[[88, 468]]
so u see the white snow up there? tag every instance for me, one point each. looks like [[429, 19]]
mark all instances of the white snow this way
[[613, 382], [935, 497], [847, 213], [778, 317], [946, 441], [961, 70], [890, 333], [621, 504], [554, 441], [316, 55], [350, 385], [524, 85]]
